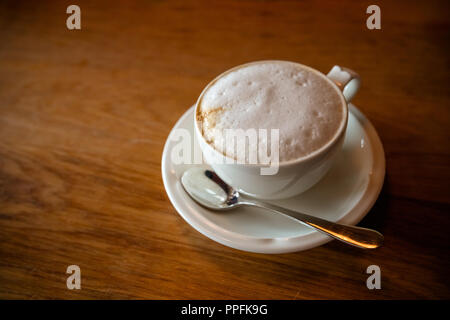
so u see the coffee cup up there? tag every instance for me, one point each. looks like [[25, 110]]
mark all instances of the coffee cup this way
[[309, 108]]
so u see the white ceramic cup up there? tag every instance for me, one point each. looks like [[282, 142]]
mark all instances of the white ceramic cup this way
[[294, 176]]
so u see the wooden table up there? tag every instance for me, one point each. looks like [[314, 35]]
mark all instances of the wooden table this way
[[84, 115]]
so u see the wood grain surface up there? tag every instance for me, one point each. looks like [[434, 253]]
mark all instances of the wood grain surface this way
[[84, 115]]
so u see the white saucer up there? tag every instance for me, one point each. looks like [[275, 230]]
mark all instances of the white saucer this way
[[345, 195]]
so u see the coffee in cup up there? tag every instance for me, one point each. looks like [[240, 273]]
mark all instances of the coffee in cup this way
[[300, 102]]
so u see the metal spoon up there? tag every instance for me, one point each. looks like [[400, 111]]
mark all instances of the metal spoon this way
[[207, 189]]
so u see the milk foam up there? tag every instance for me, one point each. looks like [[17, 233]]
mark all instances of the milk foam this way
[[307, 109]]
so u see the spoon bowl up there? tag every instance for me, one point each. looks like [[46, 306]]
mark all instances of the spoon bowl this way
[[207, 189]]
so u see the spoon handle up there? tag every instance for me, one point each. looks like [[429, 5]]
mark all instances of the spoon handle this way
[[355, 236]]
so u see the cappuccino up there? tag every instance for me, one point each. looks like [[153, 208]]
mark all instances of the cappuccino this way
[[307, 108]]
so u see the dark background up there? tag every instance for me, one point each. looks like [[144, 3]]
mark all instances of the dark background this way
[[84, 116]]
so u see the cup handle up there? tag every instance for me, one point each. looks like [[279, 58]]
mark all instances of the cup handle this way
[[347, 80]]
